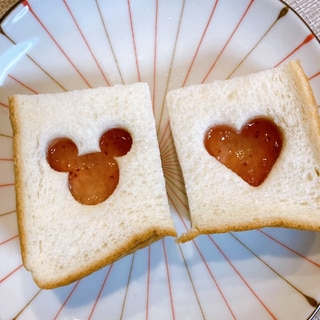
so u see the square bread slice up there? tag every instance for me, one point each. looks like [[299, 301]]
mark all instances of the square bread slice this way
[[221, 201], [62, 239]]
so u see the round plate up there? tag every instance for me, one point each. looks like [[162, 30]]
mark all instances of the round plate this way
[[59, 45]]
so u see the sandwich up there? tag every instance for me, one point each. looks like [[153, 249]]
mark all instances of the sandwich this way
[[249, 150], [67, 148]]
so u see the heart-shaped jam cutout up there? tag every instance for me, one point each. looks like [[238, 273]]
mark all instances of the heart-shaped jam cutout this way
[[93, 177], [250, 152]]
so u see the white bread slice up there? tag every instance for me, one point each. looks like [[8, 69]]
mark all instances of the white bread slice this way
[[63, 240], [219, 200]]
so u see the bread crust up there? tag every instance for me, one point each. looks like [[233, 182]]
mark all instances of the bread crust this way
[[130, 247], [18, 181]]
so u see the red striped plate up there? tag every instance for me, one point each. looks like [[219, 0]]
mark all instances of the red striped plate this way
[[59, 45]]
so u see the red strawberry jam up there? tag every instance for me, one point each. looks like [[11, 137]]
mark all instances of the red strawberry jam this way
[[93, 177], [250, 152]]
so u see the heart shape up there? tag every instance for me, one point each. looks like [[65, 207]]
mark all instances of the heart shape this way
[[250, 152]]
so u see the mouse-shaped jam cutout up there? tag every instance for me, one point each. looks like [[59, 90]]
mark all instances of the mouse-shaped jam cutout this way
[[250, 152], [93, 177]]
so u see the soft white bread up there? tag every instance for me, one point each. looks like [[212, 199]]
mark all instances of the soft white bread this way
[[61, 239], [219, 199]]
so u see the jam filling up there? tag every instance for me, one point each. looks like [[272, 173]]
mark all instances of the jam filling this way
[[250, 152], [93, 177]]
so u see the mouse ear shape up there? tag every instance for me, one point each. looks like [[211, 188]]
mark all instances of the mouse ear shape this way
[[62, 154], [116, 142]]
